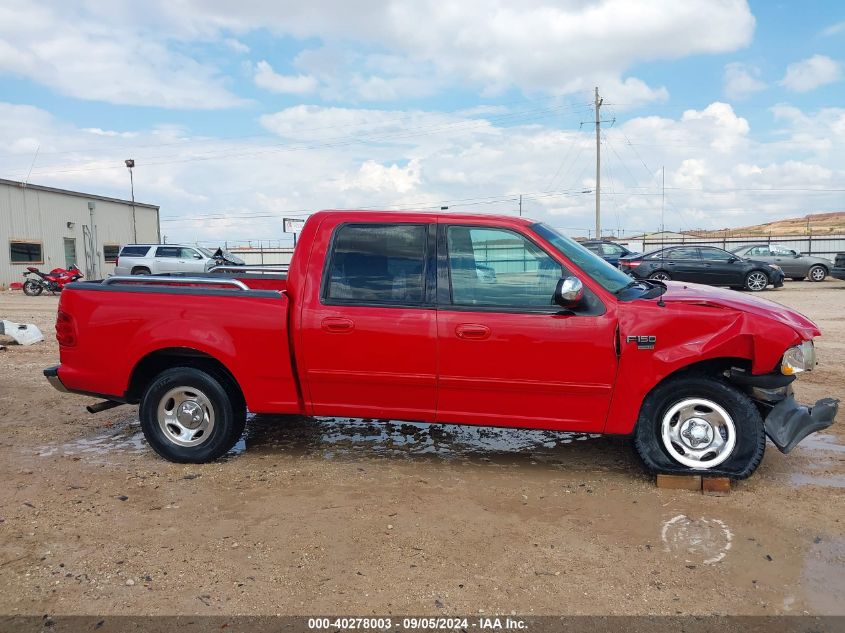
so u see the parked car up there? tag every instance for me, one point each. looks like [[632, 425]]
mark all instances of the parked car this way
[[155, 259], [794, 264], [703, 264], [384, 315], [838, 269], [609, 251]]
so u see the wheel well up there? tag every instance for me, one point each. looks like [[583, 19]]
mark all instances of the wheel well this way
[[156, 362], [134, 268], [714, 367], [827, 270]]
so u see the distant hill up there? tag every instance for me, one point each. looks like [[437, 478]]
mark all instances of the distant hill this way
[[818, 223]]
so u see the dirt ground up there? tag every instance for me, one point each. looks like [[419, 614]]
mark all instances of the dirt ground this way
[[316, 516]]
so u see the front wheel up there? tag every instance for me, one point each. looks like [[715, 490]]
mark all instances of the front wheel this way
[[660, 275], [699, 424], [817, 273], [756, 280], [32, 288], [192, 416]]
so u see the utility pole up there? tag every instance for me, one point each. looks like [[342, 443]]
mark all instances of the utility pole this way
[[130, 163], [598, 103], [520, 205]]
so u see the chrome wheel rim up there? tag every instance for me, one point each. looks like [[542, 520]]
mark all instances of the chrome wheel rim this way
[[817, 274], [757, 281], [185, 416], [698, 433], [660, 276]]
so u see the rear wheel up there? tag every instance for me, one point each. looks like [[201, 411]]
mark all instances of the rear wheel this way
[[756, 280], [700, 425], [660, 275], [817, 273], [140, 271], [32, 288], [192, 416]]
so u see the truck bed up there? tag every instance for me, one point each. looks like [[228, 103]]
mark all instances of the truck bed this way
[[244, 330]]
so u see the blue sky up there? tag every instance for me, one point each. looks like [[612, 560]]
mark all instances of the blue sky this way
[[238, 114]]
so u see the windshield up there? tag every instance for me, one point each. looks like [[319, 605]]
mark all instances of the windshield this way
[[206, 252], [610, 278]]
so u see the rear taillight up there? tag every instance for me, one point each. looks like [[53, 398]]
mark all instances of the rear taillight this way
[[65, 329], [631, 264]]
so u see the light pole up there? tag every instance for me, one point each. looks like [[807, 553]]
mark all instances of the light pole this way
[[130, 163]]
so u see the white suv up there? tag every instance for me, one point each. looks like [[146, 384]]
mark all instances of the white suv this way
[[152, 259]]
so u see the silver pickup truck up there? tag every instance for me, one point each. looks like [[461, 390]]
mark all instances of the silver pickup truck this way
[[154, 259]]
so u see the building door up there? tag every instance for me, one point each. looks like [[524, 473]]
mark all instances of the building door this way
[[70, 252]]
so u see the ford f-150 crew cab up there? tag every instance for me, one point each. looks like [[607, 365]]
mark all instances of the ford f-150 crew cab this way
[[465, 319]]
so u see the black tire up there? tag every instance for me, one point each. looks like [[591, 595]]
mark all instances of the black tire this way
[[140, 270], [756, 281], [660, 275], [32, 288], [219, 397], [817, 273], [750, 437]]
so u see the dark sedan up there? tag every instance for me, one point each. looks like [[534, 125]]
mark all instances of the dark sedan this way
[[705, 265], [611, 252]]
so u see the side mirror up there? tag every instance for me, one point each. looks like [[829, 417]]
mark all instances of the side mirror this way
[[794, 254], [569, 292], [197, 256], [731, 260]]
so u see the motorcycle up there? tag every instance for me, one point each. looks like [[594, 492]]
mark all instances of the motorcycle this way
[[53, 281]]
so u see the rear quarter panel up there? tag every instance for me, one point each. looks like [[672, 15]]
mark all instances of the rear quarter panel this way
[[116, 329]]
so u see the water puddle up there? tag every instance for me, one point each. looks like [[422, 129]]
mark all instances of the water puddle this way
[[338, 437], [822, 442], [331, 438], [823, 579], [826, 481], [827, 454]]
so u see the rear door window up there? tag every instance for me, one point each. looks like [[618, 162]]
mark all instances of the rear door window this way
[[687, 252], [168, 251], [134, 251], [382, 264]]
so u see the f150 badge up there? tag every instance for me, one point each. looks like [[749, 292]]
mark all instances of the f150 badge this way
[[643, 342]]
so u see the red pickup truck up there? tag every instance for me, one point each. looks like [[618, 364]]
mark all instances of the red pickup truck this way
[[466, 319]]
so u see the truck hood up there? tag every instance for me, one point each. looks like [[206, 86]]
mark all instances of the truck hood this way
[[698, 294]]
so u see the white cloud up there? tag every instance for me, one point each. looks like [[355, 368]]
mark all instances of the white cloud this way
[[834, 29], [235, 45], [321, 157], [265, 77], [810, 73], [80, 56], [742, 80], [491, 45]]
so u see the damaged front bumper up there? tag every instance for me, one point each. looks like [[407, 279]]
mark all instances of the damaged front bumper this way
[[785, 421], [790, 422]]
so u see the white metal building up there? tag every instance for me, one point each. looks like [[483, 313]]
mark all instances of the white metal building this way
[[48, 228]]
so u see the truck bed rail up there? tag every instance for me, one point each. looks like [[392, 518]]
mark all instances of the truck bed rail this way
[[169, 281]]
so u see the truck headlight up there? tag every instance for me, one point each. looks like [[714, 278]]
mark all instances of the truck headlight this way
[[799, 358]]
